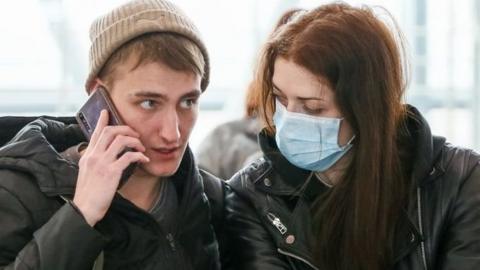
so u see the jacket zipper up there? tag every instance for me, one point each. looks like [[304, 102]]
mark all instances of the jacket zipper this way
[[277, 223], [283, 229], [422, 243], [286, 253], [171, 241]]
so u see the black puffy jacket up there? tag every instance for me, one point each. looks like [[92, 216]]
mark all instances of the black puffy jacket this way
[[39, 229], [441, 227]]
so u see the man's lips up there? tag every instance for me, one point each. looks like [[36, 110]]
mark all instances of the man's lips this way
[[165, 150]]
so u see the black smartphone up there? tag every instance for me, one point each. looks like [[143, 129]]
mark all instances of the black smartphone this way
[[88, 115]]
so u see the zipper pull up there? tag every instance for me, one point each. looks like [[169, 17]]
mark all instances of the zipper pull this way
[[171, 241], [277, 223]]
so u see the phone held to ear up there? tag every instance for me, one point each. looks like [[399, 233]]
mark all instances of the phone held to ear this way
[[87, 117]]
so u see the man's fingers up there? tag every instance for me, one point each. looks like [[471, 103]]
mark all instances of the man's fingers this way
[[109, 133], [130, 157], [120, 143], [102, 123]]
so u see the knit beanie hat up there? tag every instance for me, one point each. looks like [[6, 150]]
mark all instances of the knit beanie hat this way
[[124, 23]]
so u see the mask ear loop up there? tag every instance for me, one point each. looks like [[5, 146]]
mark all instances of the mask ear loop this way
[[351, 140], [279, 106], [348, 144]]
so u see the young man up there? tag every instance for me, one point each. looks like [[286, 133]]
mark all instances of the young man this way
[[61, 206]]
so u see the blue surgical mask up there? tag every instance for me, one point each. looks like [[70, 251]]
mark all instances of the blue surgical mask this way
[[308, 142]]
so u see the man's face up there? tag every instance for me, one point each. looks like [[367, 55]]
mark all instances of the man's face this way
[[161, 104]]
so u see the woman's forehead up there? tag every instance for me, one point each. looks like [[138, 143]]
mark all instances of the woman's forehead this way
[[296, 81]]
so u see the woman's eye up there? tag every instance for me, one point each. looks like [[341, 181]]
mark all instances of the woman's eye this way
[[314, 111], [188, 103], [147, 104]]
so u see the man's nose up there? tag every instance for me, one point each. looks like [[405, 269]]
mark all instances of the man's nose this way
[[169, 129]]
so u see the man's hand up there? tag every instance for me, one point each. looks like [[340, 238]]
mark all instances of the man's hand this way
[[100, 169]]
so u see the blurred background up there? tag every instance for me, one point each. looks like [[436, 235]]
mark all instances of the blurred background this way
[[44, 48]]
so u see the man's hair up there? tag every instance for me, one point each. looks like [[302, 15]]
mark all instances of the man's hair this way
[[172, 50]]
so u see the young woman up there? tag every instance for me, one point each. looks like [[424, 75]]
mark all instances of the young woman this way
[[351, 177]]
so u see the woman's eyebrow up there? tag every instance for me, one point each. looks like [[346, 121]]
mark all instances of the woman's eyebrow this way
[[275, 88]]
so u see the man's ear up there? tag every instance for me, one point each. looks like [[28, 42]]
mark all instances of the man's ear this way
[[94, 85]]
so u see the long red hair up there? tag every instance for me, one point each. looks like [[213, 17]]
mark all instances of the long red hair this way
[[362, 60]]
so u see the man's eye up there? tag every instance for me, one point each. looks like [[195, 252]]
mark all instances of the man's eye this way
[[188, 103], [147, 104]]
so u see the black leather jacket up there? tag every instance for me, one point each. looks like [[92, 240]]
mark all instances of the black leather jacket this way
[[441, 225], [40, 230]]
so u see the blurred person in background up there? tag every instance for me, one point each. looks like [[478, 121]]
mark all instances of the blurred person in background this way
[[61, 206], [352, 177], [234, 144]]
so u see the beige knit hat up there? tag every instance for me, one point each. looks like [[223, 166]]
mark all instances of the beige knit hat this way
[[135, 18]]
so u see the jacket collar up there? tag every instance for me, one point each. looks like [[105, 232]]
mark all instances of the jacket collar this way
[[11, 125], [426, 148], [35, 149]]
